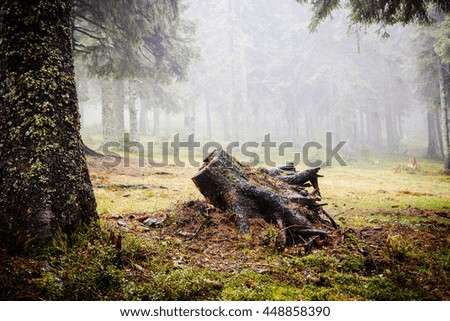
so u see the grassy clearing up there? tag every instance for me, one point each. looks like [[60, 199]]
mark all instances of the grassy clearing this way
[[393, 243], [365, 185], [377, 186]]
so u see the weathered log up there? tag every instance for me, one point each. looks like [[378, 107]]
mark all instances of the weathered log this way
[[301, 180], [229, 185], [289, 169], [309, 175]]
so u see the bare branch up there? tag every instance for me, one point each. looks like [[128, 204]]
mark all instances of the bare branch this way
[[80, 30], [91, 21]]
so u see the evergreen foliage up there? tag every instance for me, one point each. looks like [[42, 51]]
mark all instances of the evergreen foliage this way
[[133, 39], [386, 12]]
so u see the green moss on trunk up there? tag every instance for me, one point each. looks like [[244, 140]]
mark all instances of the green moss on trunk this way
[[44, 181]]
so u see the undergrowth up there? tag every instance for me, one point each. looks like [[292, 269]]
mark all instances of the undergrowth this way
[[91, 267]]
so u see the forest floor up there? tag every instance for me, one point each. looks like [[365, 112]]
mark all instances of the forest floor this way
[[393, 242]]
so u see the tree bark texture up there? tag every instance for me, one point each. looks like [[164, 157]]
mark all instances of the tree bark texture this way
[[443, 88], [44, 180], [249, 193]]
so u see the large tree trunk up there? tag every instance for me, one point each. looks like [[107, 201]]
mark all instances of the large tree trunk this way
[[44, 180], [249, 193], [444, 117]]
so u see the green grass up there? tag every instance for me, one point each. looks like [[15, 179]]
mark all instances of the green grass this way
[[407, 256], [89, 269], [366, 185]]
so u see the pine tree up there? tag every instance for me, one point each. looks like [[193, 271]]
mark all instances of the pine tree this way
[[433, 59], [385, 12], [135, 40]]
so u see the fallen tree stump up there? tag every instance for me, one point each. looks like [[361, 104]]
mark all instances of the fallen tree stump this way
[[258, 193]]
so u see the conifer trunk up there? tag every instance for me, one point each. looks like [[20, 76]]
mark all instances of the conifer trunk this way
[[109, 128], [156, 121], [143, 121], [133, 111], [444, 117], [433, 141], [392, 139], [44, 180], [362, 128], [399, 124], [118, 106]]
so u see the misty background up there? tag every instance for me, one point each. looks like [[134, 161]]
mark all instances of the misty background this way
[[255, 68]]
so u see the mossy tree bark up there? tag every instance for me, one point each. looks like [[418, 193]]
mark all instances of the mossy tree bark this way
[[44, 180]]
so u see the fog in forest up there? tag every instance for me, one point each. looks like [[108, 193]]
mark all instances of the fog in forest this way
[[257, 69]]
